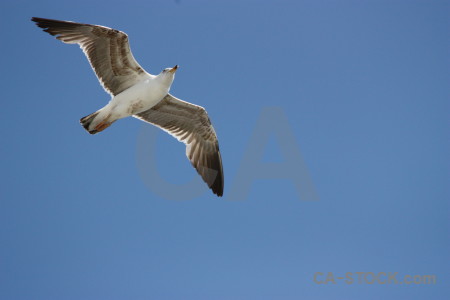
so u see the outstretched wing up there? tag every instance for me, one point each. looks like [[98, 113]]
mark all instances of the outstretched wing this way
[[107, 50], [190, 124]]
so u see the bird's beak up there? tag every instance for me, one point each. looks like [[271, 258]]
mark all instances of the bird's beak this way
[[174, 69]]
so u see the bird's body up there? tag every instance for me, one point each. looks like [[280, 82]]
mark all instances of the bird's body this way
[[136, 99], [141, 95]]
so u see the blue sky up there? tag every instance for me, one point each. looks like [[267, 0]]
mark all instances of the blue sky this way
[[362, 88]]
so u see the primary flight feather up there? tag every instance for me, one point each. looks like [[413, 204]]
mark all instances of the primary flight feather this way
[[141, 95]]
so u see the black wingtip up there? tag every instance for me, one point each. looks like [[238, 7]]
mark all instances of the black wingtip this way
[[44, 23], [218, 184], [39, 21], [210, 168], [52, 23], [36, 20]]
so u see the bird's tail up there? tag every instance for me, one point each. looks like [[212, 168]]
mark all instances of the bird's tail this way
[[96, 122], [86, 122]]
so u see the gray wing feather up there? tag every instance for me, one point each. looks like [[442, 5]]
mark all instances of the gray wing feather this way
[[190, 124], [107, 50]]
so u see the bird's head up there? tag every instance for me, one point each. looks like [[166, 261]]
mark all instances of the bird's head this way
[[168, 74]]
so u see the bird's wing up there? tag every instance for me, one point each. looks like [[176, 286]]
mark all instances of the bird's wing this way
[[190, 124], [107, 50]]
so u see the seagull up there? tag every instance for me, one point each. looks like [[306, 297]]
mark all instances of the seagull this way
[[134, 92]]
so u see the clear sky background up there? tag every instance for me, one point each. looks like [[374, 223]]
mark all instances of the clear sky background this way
[[364, 86]]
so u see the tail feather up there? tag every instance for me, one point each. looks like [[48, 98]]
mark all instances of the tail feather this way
[[86, 122]]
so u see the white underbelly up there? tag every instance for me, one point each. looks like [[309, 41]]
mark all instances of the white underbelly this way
[[136, 99]]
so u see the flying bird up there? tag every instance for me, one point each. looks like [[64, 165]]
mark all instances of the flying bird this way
[[134, 92]]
